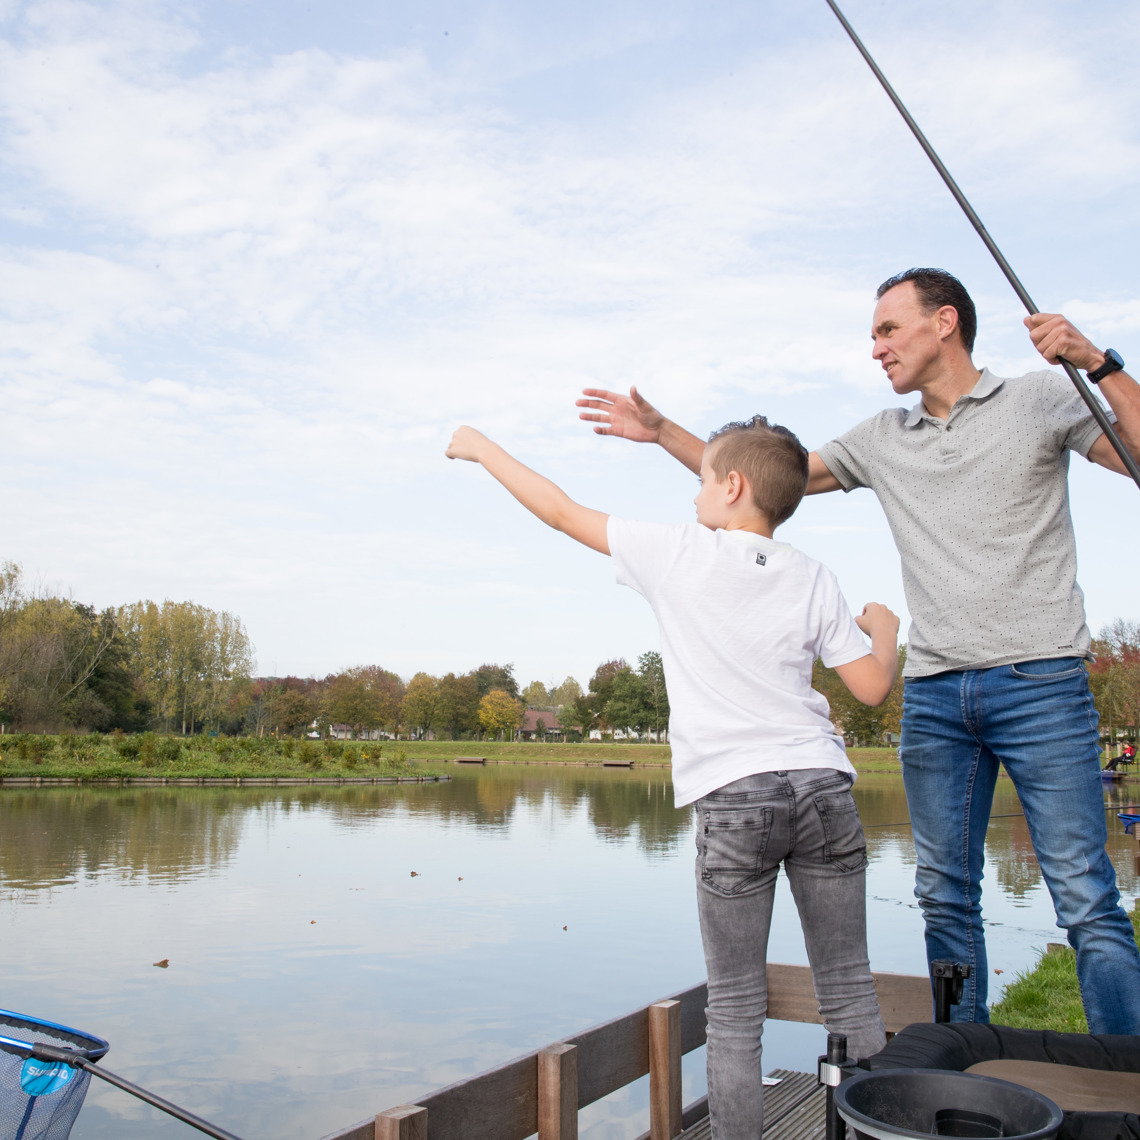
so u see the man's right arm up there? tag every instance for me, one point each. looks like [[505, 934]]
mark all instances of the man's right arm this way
[[635, 418]]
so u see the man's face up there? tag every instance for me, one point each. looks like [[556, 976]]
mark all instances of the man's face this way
[[907, 341]]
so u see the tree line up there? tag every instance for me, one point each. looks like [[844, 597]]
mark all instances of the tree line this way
[[182, 667]]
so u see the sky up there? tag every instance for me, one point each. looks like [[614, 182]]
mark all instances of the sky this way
[[260, 259]]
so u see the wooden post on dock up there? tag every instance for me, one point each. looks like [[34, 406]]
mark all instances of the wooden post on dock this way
[[407, 1122], [558, 1093], [665, 1070]]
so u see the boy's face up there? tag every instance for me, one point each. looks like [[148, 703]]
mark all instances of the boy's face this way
[[712, 499]]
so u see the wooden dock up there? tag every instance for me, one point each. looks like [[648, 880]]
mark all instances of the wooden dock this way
[[542, 1092]]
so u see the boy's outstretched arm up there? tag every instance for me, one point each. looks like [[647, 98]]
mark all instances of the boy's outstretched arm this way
[[870, 678], [538, 494]]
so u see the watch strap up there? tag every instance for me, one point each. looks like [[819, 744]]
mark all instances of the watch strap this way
[[1113, 362]]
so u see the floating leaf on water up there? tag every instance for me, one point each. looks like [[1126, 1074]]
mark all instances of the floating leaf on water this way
[[163, 964], [414, 874]]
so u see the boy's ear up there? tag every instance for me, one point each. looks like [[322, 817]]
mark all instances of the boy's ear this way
[[737, 486]]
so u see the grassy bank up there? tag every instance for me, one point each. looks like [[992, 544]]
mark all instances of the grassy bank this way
[[642, 755], [99, 757], [1048, 996], [93, 756]]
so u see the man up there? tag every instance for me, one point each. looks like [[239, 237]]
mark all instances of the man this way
[[973, 481]]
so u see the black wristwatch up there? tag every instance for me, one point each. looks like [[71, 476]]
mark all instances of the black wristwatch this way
[[1113, 362]]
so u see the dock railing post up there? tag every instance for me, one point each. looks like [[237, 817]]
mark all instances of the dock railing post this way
[[558, 1093], [665, 1070], [406, 1122]]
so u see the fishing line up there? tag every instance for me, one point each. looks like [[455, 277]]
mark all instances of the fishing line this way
[[1007, 815], [1093, 403]]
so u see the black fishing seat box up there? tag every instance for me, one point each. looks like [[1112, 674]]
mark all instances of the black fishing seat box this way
[[1095, 1079]]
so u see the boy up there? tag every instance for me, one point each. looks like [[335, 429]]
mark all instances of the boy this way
[[742, 619]]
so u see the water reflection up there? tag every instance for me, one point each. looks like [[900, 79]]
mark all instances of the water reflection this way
[[546, 899]]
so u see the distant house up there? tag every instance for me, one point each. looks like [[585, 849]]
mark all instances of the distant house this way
[[530, 730]]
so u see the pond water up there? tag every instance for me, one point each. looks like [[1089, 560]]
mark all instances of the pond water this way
[[314, 980]]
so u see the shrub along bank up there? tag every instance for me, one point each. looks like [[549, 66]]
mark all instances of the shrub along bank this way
[[95, 756]]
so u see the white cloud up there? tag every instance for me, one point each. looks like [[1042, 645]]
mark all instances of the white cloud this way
[[247, 295]]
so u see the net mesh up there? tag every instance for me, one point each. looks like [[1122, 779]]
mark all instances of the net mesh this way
[[51, 1115]]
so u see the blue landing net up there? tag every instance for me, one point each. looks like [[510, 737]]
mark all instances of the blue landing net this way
[[39, 1100]]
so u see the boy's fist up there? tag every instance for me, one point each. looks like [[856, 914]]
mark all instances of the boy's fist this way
[[877, 619], [466, 444]]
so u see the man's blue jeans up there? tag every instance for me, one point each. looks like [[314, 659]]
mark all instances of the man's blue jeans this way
[[1038, 720], [807, 820]]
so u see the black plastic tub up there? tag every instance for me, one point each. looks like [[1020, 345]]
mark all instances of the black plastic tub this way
[[914, 1103]]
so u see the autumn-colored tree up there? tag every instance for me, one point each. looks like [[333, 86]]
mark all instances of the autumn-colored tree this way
[[499, 712], [860, 723], [1114, 676]]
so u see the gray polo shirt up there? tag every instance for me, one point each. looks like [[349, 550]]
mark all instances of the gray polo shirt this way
[[978, 505]]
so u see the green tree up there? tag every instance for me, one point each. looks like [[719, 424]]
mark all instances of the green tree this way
[[566, 693], [536, 696], [422, 705], [860, 723], [499, 712], [458, 704], [56, 661], [651, 670], [488, 677], [627, 706]]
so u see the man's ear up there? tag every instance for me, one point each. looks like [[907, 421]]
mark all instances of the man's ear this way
[[947, 321]]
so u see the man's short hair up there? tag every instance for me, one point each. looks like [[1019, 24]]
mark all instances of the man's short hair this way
[[770, 457], [936, 288]]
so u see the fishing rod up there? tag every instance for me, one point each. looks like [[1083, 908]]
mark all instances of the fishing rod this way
[[1086, 394]]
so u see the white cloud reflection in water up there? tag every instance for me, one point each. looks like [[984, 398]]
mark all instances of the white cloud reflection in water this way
[[313, 980]]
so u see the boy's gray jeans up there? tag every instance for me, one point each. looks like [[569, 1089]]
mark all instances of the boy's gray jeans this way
[[807, 820]]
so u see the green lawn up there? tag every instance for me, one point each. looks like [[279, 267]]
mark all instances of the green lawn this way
[[95, 756], [1048, 996]]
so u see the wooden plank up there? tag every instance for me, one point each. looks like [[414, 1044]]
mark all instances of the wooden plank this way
[[502, 1104], [498, 1105], [558, 1093], [665, 1070], [782, 1103], [408, 1122], [471, 759], [903, 998]]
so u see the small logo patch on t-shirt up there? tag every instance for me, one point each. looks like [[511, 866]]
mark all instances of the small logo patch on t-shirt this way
[[761, 559]]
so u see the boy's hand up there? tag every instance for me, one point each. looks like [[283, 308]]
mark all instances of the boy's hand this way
[[467, 443], [876, 619], [631, 417]]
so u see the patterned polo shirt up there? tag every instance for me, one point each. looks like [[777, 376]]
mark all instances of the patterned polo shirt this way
[[978, 504]]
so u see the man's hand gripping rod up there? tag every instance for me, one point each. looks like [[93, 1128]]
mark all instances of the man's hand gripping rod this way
[[1093, 403]]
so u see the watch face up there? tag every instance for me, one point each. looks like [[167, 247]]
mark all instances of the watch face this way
[[1117, 361]]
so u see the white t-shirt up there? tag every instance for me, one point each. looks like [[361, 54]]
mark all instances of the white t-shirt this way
[[742, 619]]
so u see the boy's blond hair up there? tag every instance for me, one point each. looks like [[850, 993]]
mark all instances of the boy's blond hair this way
[[770, 457]]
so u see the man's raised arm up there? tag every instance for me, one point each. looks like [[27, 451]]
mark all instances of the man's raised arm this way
[[633, 417], [1055, 337]]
